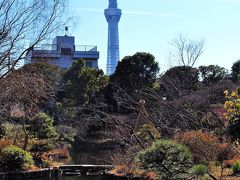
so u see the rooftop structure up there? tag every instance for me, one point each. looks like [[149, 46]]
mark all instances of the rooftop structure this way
[[63, 52], [113, 15]]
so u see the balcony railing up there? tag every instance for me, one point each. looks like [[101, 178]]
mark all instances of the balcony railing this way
[[46, 47], [85, 48], [53, 47]]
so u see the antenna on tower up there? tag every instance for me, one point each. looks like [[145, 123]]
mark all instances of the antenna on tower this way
[[66, 30]]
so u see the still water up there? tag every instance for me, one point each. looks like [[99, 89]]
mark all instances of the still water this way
[[88, 154], [85, 178]]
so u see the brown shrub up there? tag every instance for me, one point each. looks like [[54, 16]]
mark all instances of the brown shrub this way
[[4, 143], [205, 147], [134, 171], [56, 154]]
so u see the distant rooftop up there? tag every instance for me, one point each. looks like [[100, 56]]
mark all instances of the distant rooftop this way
[[53, 47], [63, 52]]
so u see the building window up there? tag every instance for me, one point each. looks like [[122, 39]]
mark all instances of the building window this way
[[66, 51]]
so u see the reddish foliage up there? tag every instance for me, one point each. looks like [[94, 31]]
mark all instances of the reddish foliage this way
[[233, 158], [205, 147], [219, 111], [56, 154], [4, 143], [119, 170], [150, 176], [31, 168], [229, 163]]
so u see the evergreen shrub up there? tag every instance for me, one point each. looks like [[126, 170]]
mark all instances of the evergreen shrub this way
[[167, 158], [15, 158]]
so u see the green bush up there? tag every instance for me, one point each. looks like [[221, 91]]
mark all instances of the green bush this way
[[42, 126], [66, 135], [94, 125], [167, 158], [13, 132], [40, 147], [236, 168], [236, 71], [199, 170], [14, 158]]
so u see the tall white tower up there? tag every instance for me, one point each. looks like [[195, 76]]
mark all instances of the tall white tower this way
[[113, 15]]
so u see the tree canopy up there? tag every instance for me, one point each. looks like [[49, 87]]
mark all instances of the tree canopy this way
[[236, 71], [80, 83], [41, 126], [50, 73], [212, 74], [178, 81], [135, 72]]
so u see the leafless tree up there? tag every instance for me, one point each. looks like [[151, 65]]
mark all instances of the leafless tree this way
[[22, 95], [24, 91], [23, 24], [170, 116], [185, 51]]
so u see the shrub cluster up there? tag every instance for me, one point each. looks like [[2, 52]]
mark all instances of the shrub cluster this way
[[169, 159], [3, 143], [199, 170], [14, 158], [204, 146], [236, 168]]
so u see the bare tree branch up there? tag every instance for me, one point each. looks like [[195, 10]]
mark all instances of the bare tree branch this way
[[186, 51], [23, 24], [23, 93]]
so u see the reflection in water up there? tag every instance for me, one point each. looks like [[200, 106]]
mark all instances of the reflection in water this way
[[86, 178], [76, 178], [87, 153], [100, 157], [80, 178]]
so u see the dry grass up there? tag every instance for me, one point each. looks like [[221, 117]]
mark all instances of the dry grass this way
[[133, 170], [56, 154], [53, 163], [31, 168]]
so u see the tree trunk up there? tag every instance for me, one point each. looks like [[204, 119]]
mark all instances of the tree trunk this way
[[26, 136]]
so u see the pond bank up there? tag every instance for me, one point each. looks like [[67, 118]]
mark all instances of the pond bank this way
[[48, 173], [81, 153], [55, 174]]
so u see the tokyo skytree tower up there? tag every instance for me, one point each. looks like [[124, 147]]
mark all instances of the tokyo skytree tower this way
[[113, 15]]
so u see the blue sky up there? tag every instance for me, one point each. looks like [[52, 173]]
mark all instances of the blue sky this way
[[150, 25]]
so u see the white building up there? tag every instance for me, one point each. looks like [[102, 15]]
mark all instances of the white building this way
[[63, 52]]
